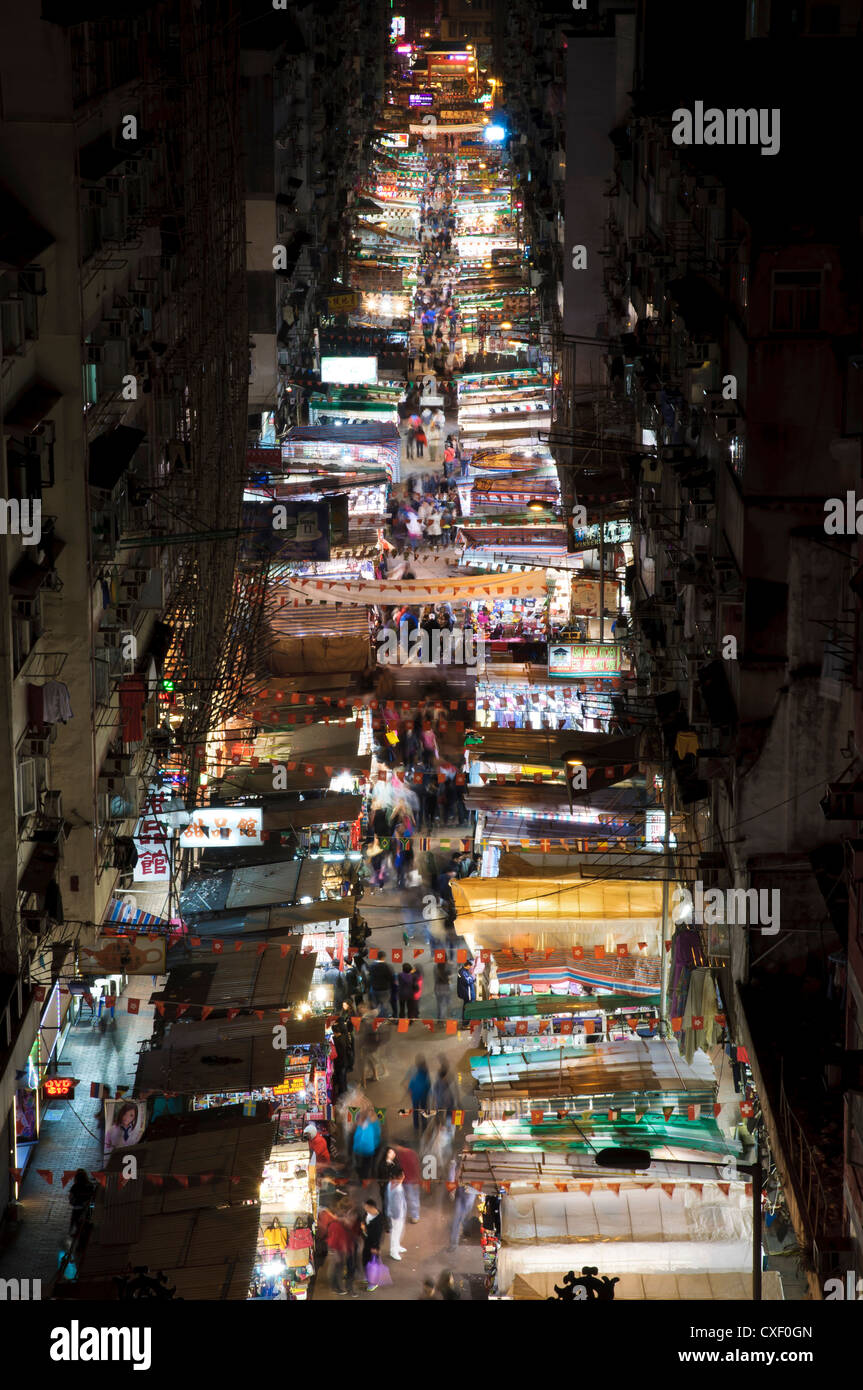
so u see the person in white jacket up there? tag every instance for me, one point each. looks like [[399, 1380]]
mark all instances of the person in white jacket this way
[[396, 1212]]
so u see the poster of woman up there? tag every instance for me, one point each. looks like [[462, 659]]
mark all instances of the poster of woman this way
[[125, 1122]]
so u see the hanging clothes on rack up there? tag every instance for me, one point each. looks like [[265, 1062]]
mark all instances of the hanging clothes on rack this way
[[56, 703], [701, 1005]]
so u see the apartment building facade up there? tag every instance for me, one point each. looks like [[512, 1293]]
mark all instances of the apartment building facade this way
[[124, 409]]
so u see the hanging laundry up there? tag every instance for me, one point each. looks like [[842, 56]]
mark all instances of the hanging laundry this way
[[35, 705], [686, 743], [53, 901], [133, 693], [56, 704]]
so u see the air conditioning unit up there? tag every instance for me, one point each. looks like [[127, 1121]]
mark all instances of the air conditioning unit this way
[[844, 801], [128, 591], [110, 637], [121, 763], [124, 614], [37, 745]]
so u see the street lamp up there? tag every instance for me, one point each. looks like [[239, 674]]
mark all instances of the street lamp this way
[[642, 1159]]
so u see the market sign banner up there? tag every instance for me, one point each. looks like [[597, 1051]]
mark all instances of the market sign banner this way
[[224, 827], [343, 303], [292, 1086], [583, 659], [298, 591], [116, 955], [264, 456]]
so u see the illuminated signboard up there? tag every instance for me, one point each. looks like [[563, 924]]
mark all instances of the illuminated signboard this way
[[59, 1087], [583, 659], [342, 303], [350, 370], [397, 26], [224, 827], [291, 1087], [421, 99]]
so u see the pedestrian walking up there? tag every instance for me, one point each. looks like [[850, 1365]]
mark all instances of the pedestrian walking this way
[[419, 1085], [373, 1234], [411, 1168], [366, 1142], [406, 988], [443, 1094], [466, 985], [463, 1205], [81, 1194], [442, 990], [342, 1237]]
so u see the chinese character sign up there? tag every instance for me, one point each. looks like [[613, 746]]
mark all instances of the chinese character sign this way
[[153, 840], [223, 827]]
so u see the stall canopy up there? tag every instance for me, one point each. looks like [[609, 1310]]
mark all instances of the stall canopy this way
[[290, 656], [274, 883], [650, 1069], [201, 1232], [637, 1230], [241, 979], [287, 619], [522, 898], [197, 1058], [457, 588], [544, 747], [327, 810], [308, 774], [311, 915]]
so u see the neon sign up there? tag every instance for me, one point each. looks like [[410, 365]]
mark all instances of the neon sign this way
[[59, 1087]]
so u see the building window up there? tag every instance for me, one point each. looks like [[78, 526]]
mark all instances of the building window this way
[[737, 455], [31, 780], [742, 285], [26, 629], [853, 405], [795, 301]]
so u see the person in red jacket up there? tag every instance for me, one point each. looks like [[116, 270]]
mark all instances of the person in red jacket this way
[[318, 1149], [411, 1169], [342, 1236]]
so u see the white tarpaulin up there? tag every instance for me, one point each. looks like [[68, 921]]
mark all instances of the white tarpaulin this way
[[634, 1213], [635, 1230], [637, 1257], [296, 592]]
